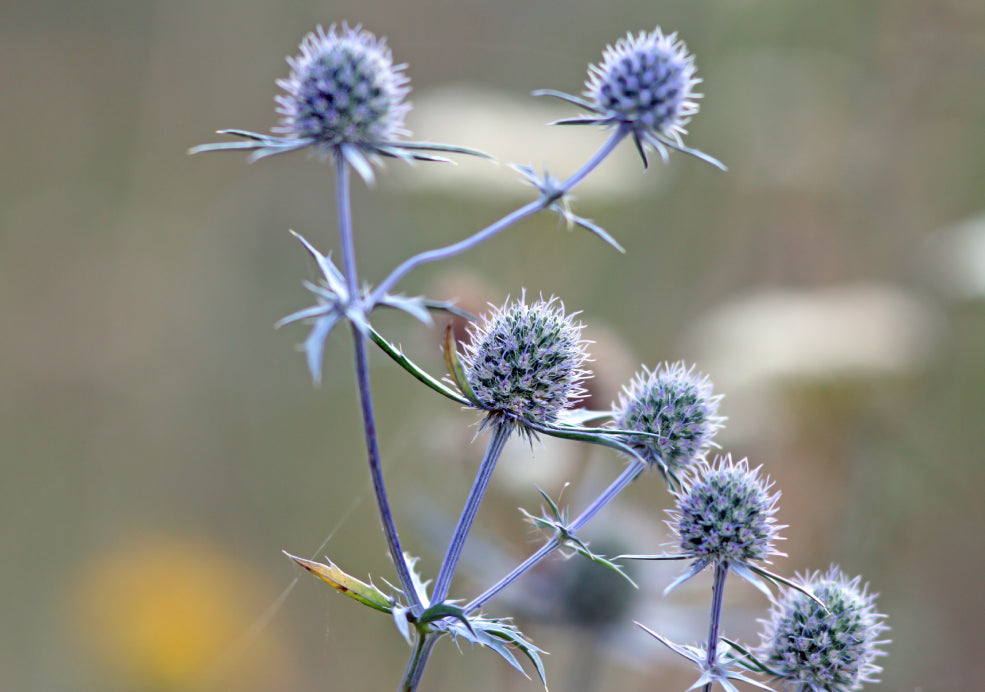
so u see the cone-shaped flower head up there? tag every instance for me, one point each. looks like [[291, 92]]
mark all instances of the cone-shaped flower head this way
[[725, 514], [343, 90], [829, 647], [676, 404], [524, 362], [646, 81]]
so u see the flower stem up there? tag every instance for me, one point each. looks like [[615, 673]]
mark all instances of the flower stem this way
[[489, 231], [617, 486], [423, 647], [717, 594], [501, 433], [365, 392]]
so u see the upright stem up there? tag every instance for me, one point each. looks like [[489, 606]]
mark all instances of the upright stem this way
[[625, 478], [423, 647], [717, 594], [365, 392], [501, 433], [489, 231]]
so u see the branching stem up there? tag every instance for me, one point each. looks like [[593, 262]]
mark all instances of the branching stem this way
[[501, 433], [617, 486], [365, 392], [488, 232]]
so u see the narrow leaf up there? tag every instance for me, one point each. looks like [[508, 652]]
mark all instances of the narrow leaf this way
[[367, 594], [419, 373], [455, 368]]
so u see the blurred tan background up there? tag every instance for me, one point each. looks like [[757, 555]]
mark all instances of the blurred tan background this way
[[160, 443]]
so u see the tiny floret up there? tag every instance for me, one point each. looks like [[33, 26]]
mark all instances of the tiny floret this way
[[343, 89], [725, 514], [525, 362], [677, 406], [827, 647]]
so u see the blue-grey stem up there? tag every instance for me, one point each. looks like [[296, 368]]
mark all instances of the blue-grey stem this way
[[423, 647], [501, 433], [365, 392], [625, 478], [489, 231], [717, 594]]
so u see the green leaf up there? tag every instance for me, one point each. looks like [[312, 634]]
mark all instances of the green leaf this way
[[455, 368], [442, 610], [367, 594], [419, 373], [749, 660], [777, 581]]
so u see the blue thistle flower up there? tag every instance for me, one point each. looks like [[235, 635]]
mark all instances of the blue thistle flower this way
[[827, 647], [343, 90], [644, 84], [344, 97], [725, 515], [675, 403], [524, 362]]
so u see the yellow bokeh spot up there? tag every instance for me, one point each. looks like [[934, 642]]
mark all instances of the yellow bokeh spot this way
[[165, 613]]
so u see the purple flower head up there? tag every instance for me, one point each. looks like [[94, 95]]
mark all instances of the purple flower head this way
[[725, 514], [646, 81], [343, 90], [344, 97], [828, 647], [525, 362], [676, 404], [644, 85]]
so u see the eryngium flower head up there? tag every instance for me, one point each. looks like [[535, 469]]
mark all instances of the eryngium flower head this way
[[343, 90], [725, 514], [524, 362], [829, 647], [676, 404], [345, 98], [644, 85], [646, 81]]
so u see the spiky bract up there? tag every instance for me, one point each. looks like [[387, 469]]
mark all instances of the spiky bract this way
[[827, 647], [524, 362], [676, 404]]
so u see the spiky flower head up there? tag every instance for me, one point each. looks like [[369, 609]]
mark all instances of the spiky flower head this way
[[646, 81], [725, 514], [343, 90], [644, 85], [676, 404], [344, 97], [827, 647], [525, 362]]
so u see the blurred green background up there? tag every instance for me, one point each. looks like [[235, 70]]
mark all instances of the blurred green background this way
[[160, 443]]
